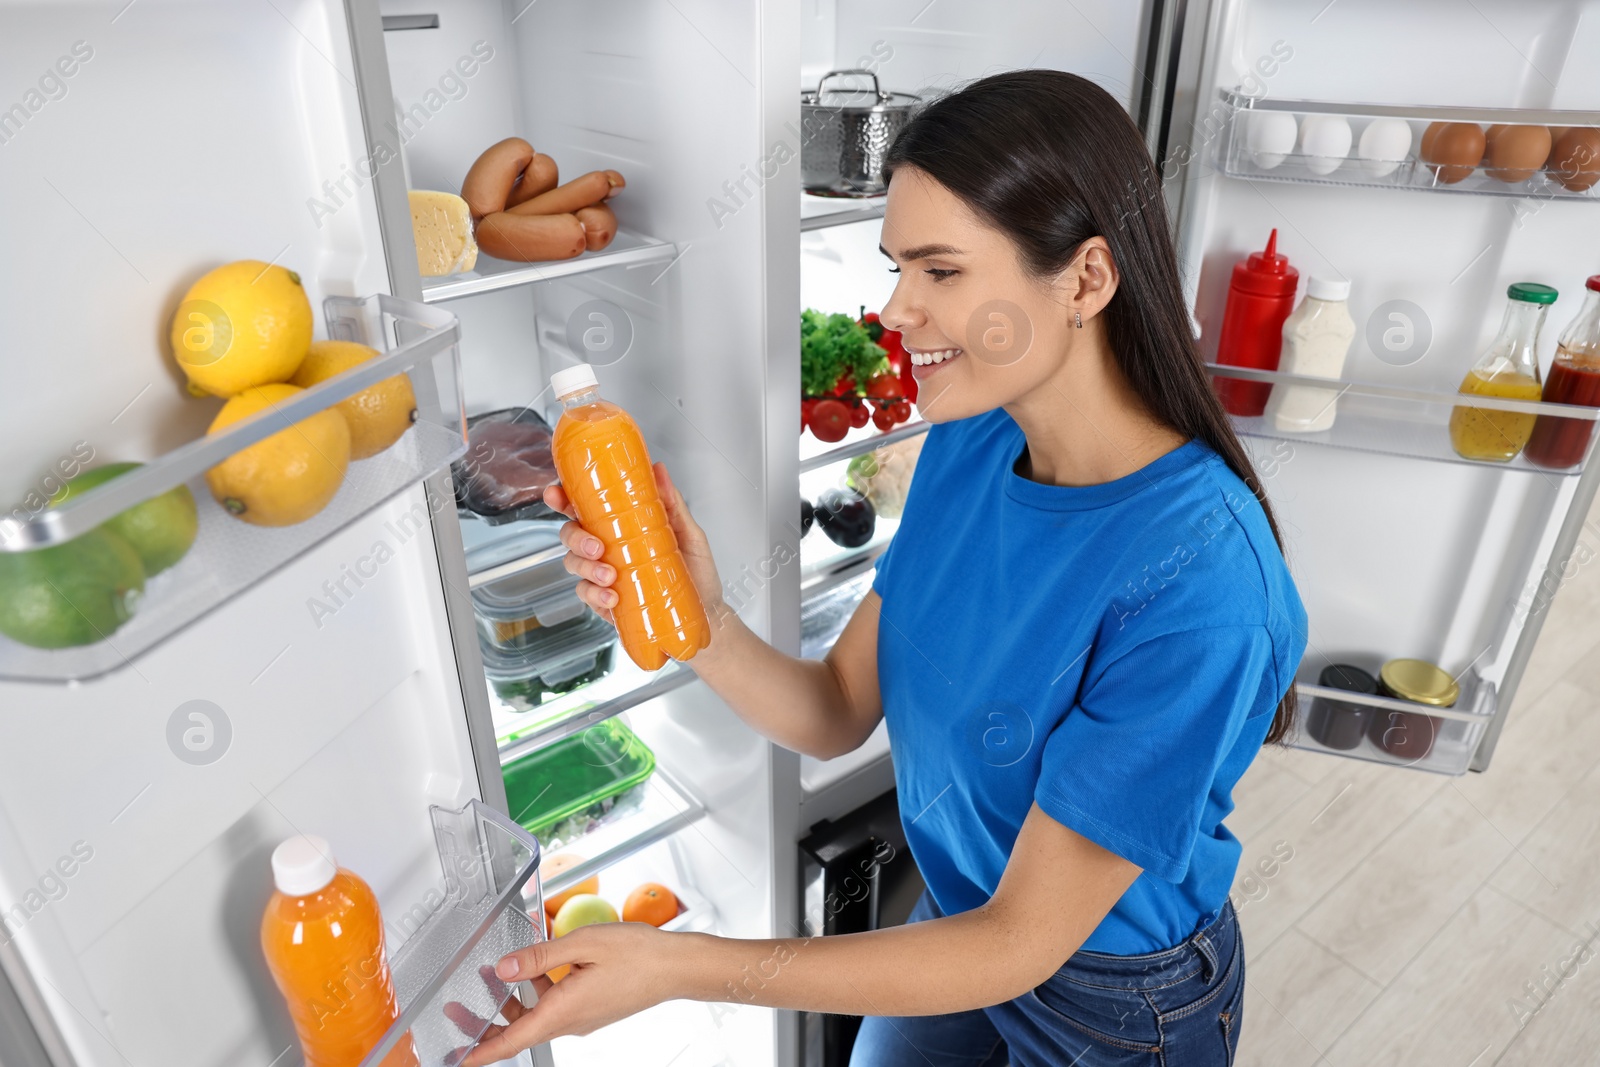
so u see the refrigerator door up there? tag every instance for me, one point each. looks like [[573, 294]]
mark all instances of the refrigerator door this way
[[142, 144], [1400, 548]]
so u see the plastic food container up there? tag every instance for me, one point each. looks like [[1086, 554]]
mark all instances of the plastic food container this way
[[563, 790], [563, 659], [532, 609], [508, 464]]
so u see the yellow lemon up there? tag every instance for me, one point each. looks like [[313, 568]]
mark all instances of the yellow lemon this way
[[288, 477], [377, 416], [242, 325]]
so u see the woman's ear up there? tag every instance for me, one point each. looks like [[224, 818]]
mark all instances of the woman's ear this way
[[1090, 281]]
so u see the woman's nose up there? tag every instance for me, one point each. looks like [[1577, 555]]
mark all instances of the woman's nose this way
[[898, 314]]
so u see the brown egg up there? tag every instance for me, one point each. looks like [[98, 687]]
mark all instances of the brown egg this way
[[1453, 149], [1515, 152], [1575, 158]]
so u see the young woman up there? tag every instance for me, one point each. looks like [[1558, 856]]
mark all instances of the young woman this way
[[1080, 636]]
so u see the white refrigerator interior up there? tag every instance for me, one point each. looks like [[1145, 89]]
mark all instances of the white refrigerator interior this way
[[189, 135]]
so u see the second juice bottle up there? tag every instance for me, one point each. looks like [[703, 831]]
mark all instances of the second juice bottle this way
[[606, 472], [1510, 369]]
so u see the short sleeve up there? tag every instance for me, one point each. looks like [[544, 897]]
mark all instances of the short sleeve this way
[[1132, 764], [880, 566]]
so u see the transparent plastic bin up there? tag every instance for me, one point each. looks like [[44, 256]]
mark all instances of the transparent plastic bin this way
[[1455, 730], [1235, 158], [492, 905], [228, 555]]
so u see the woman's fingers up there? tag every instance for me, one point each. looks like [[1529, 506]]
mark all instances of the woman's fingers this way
[[556, 497]]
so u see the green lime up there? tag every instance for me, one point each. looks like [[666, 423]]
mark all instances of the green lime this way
[[161, 529], [72, 594]]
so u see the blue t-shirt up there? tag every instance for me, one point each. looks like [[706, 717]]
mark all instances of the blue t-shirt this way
[[1114, 652]]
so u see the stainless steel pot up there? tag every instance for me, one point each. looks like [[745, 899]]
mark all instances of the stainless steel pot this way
[[846, 133]]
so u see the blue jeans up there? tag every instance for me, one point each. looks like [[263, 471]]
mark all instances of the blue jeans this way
[[1177, 1008]]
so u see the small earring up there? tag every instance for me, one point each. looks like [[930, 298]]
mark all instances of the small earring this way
[[1077, 317]]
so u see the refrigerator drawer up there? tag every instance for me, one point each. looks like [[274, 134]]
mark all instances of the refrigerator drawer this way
[[96, 608]]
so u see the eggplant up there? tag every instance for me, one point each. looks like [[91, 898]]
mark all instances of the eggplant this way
[[847, 517], [807, 513]]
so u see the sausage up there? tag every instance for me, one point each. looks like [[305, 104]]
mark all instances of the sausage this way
[[530, 238], [539, 176], [592, 188], [488, 183], [599, 225]]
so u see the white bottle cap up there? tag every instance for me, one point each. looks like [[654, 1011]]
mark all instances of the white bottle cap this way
[[1327, 288], [302, 865], [573, 380]]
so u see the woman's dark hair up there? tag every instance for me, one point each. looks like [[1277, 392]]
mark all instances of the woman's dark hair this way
[[1051, 159]]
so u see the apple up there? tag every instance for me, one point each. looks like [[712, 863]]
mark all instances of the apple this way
[[585, 909]]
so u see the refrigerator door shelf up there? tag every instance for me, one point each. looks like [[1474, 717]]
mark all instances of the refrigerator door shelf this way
[[229, 555], [489, 905], [1235, 157], [1450, 735], [626, 250], [1398, 421]]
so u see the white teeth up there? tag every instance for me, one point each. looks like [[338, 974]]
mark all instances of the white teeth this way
[[923, 359]]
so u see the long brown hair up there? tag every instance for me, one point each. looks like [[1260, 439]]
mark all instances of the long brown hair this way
[[1051, 159]]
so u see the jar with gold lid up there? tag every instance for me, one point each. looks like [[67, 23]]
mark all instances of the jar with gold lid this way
[[1410, 735]]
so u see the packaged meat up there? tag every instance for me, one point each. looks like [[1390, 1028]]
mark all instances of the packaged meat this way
[[503, 476]]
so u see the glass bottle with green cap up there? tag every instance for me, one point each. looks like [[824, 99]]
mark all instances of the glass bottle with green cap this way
[[1508, 368]]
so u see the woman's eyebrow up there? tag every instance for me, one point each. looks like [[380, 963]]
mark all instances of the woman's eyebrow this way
[[925, 251]]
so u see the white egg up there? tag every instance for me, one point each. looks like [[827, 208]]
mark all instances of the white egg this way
[[1325, 142], [1270, 136], [1384, 146]]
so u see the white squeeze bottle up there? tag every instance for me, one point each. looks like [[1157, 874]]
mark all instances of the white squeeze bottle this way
[[1316, 337]]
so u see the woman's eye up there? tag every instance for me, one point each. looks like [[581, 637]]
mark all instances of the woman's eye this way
[[940, 274]]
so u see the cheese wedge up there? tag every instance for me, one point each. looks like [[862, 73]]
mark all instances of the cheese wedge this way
[[442, 226]]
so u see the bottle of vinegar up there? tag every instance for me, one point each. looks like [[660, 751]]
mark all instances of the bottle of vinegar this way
[[1510, 369], [605, 470]]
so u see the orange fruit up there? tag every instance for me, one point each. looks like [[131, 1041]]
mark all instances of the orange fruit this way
[[555, 865], [650, 903]]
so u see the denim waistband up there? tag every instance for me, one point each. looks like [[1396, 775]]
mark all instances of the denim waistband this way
[[1210, 947]]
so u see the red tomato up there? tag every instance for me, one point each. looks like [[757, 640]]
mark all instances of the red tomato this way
[[885, 387], [830, 420], [883, 418], [901, 409], [859, 415]]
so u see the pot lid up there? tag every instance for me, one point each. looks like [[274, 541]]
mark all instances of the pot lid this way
[[858, 98]]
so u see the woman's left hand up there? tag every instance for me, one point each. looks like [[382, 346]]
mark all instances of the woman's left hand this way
[[618, 970]]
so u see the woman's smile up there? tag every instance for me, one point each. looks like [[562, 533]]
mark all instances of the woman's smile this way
[[925, 362]]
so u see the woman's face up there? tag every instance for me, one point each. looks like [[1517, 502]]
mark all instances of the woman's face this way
[[963, 298]]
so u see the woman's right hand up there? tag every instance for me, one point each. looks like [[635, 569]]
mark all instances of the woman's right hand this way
[[584, 551]]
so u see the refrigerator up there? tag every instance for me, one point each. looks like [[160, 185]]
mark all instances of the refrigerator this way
[[328, 678]]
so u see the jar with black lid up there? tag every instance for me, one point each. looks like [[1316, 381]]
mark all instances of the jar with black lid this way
[[1340, 724]]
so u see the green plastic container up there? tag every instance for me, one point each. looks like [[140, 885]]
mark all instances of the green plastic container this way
[[578, 780]]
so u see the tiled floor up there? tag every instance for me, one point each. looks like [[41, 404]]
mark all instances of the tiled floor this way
[[1423, 920]]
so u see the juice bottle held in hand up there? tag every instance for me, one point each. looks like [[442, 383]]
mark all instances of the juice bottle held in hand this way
[[605, 470], [323, 938]]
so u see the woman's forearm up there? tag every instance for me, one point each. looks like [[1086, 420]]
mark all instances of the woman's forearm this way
[[971, 960], [798, 703]]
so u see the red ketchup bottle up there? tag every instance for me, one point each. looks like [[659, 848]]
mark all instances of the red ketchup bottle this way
[[1557, 442], [1260, 297]]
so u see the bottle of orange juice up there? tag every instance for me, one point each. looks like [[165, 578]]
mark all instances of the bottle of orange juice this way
[[323, 938], [605, 470]]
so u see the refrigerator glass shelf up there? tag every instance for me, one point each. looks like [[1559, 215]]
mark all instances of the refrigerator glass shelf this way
[[664, 809], [1235, 158], [489, 904], [518, 733], [1399, 421], [1454, 732], [820, 212], [229, 555], [823, 616], [814, 457], [626, 250], [823, 563]]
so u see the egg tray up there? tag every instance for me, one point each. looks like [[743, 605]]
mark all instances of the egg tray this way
[[1235, 157]]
